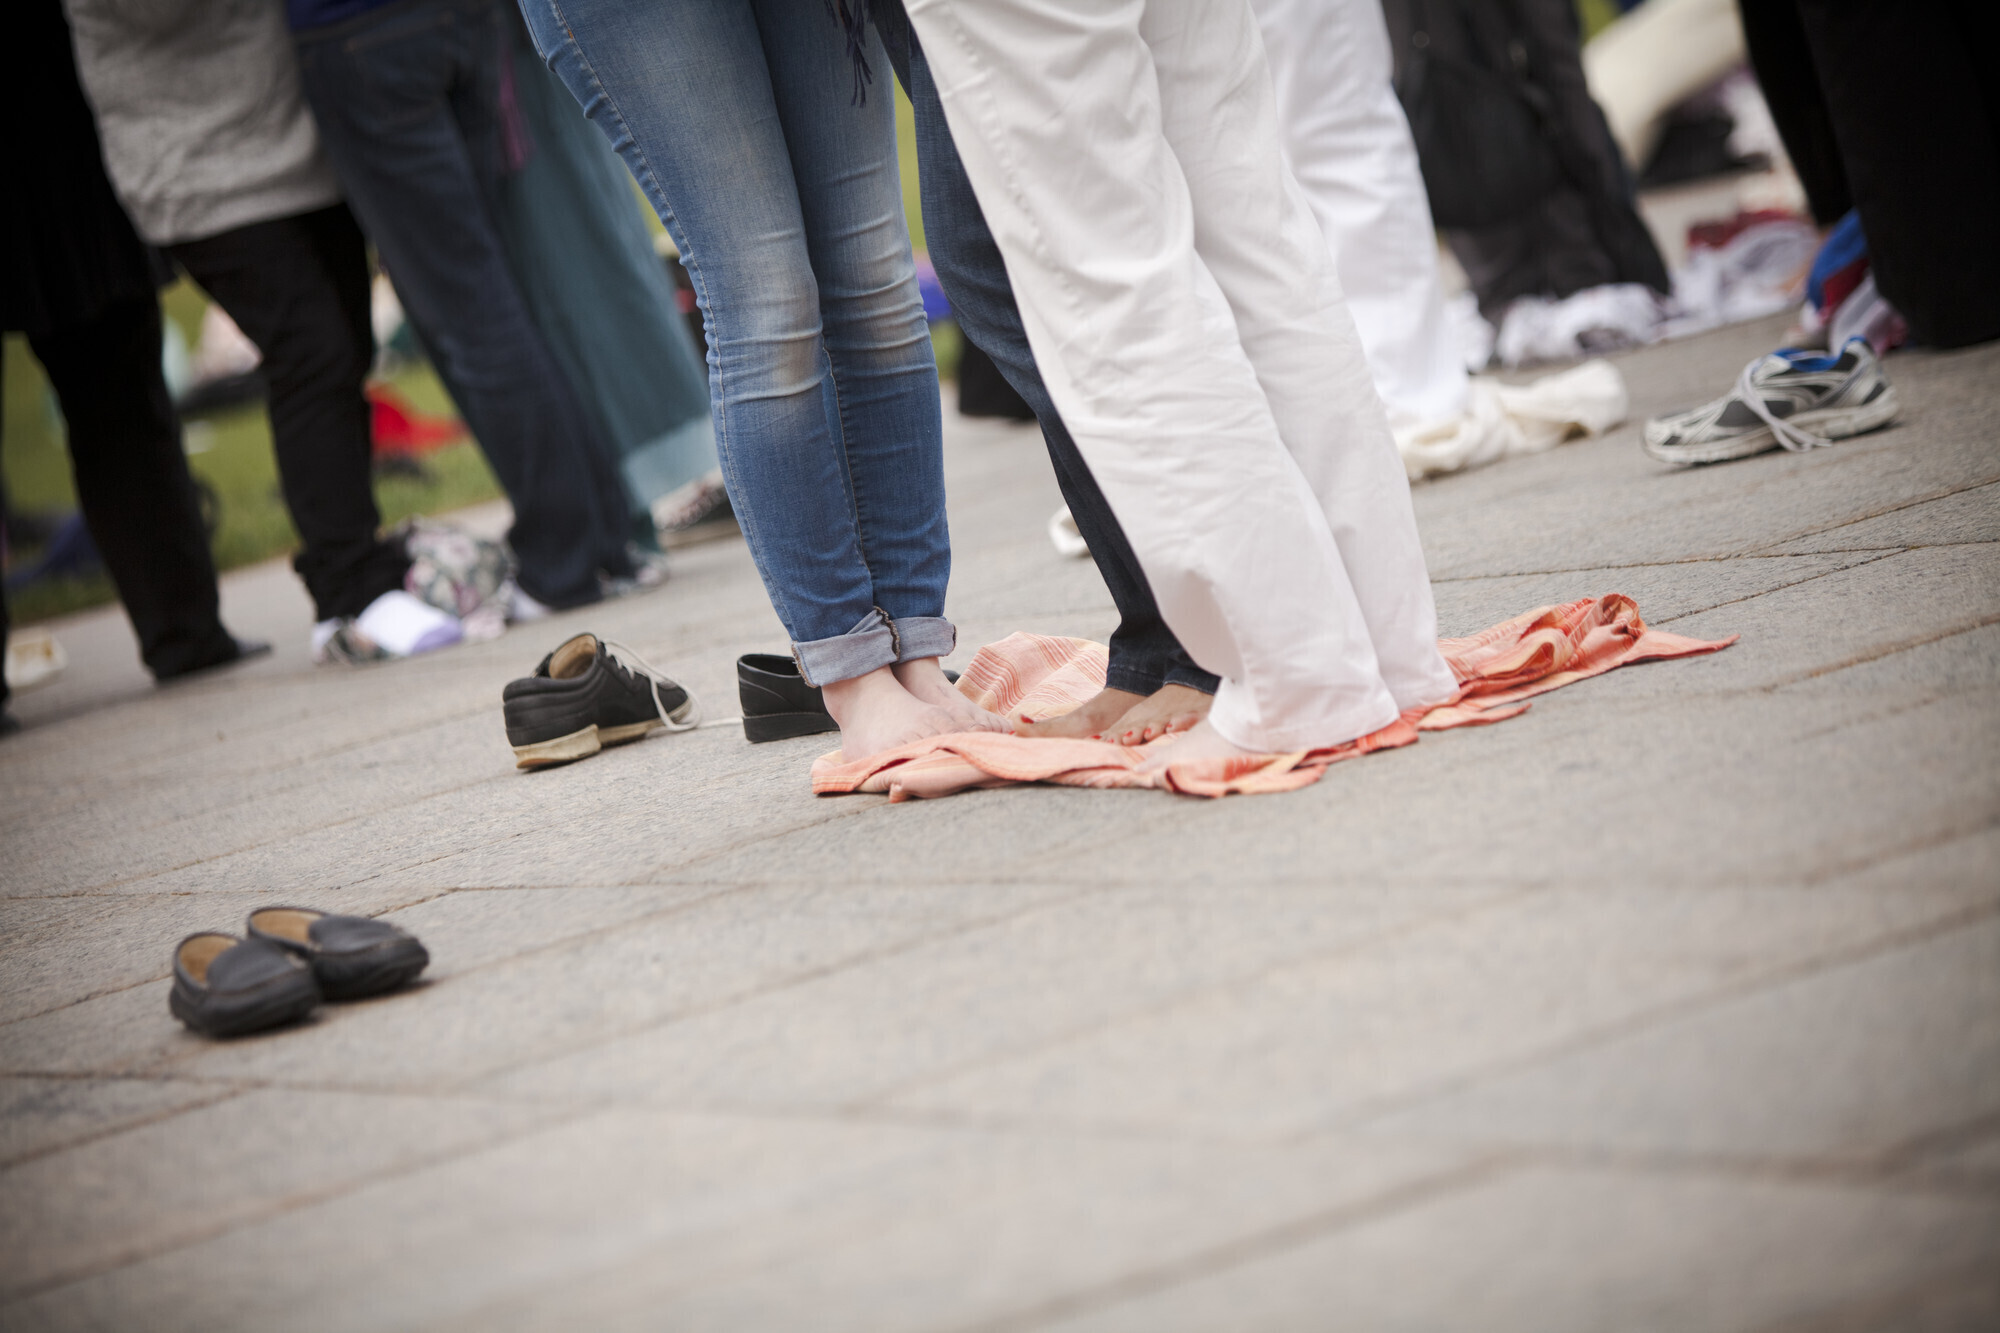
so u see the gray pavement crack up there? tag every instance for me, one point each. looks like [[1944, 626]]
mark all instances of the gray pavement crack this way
[[198, 1233], [1897, 508], [1250, 1247]]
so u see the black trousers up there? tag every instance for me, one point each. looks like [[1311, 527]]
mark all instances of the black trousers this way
[[132, 483], [298, 288], [1892, 106]]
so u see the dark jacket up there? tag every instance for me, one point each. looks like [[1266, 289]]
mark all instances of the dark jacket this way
[[67, 250], [1585, 232]]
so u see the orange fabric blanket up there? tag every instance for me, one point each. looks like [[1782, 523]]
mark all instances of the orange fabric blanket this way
[[1497, 669]]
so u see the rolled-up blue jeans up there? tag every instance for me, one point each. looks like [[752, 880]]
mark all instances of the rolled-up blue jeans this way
[[739, 121]]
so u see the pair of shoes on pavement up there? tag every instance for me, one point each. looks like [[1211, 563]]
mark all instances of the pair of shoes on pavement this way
[[581, 699], [290, 959], [1790, 399]]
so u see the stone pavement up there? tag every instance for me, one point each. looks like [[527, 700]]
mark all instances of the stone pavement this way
[[1673, 1004]]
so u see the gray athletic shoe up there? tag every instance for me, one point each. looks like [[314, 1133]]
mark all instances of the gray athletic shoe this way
[[1789, 399]]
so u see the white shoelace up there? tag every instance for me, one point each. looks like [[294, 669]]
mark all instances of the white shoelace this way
[[659, 677], [1795, 438]]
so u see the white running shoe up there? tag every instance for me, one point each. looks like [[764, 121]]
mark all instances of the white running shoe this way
[[396, 624], [1789, 399]]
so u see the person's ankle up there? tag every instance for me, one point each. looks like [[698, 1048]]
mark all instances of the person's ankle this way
[[847, 699]]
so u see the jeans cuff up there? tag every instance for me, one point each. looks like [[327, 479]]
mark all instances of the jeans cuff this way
[[1192, 676], [1132, 680], [870, 644], [924, 636]]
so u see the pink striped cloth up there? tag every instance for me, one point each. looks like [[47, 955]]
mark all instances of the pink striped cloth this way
[[1498, 670]]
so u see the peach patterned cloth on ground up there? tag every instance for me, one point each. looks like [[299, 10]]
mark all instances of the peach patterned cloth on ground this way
[[1497, 669]]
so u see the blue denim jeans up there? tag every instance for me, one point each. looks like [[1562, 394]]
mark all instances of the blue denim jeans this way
[[738, 120], [1145, 654], [407, 97]]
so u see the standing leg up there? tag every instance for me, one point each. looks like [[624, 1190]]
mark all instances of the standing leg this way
[[1220, 119], [1059, 118], [133, 485], [1145, 656], [1348, 144], [1784, 67], [1915, 110], [878, 346], [382, 97], [298, 288]]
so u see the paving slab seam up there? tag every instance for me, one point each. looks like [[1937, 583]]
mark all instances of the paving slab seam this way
[[1360, 1116], [169, 972], [1877, 654], [196, 1235], [1673, 1011], [644, 881], [1893, 1309], [1922, 1148], [300, 833], [1251, 1246], [1880, 715], [1883, 856], [1731, 558], [609, 1036], [168, 759], [1209, 990], [1897, 508], [1899, 549], [1765, 592], [226, 1093], [1867, 1171]]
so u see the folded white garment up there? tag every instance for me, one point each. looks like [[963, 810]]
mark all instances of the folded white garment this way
[[1508, 419]]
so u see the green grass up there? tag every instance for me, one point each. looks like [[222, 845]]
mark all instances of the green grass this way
[[230, 451]]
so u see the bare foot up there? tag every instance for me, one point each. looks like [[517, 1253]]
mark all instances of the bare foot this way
[[876, 713], [1201, 742], [925, 680], [1091, 718], [1166, 710]]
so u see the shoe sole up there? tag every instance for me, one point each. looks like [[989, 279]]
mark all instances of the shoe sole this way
[[784, 726], [1834, 423], [562, 750], [583, 744], [265, 1009]]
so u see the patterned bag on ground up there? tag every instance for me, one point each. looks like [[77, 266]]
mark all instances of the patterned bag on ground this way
[[460, 573]]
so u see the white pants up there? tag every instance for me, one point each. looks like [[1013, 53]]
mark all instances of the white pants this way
[[1184, 311], [1349, 145]]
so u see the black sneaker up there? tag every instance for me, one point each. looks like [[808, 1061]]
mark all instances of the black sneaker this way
[[581, 699], [224, 986], [777, 702]]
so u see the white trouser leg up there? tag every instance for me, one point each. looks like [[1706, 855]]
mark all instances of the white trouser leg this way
[[1184, 312], [1349, 145]]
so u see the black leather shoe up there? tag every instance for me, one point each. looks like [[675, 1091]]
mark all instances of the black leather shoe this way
[[224, 986], [777, 702], [350, 956], [227, 653], [581, 699]]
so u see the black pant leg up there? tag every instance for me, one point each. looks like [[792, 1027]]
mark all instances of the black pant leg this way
[[133, 485], [1784, 66], [298, 288], [1906, 94], [1145, 654]]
